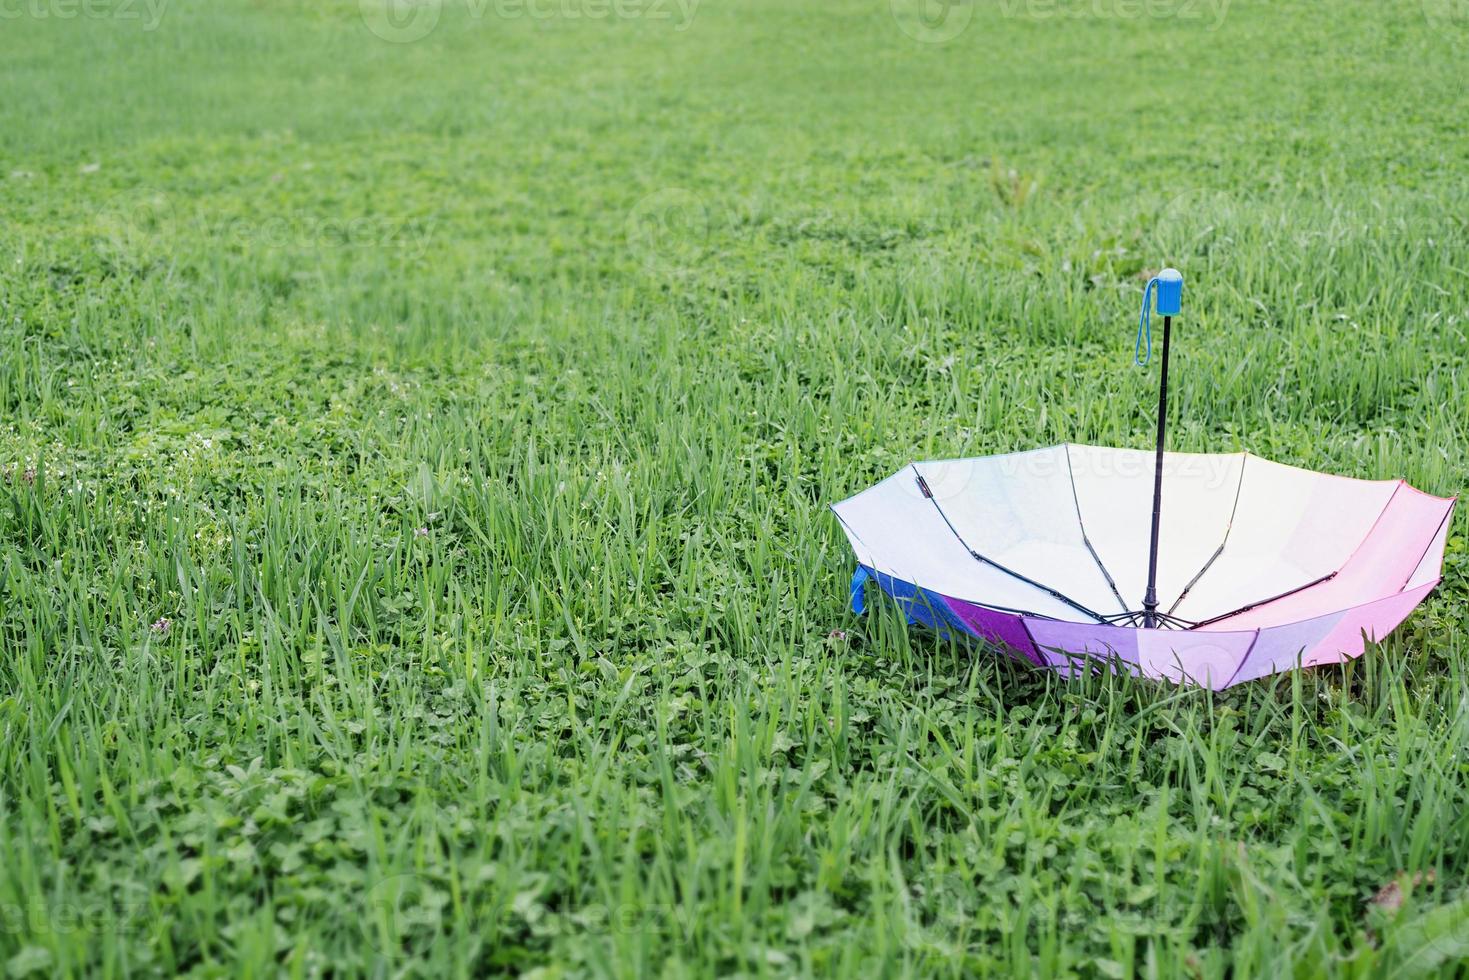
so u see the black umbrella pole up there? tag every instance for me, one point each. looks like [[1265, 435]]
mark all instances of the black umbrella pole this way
[[1150, 601]]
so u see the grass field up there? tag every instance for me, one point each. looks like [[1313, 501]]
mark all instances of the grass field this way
[[414, 555]]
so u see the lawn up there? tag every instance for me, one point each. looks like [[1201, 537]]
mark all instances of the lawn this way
[[415, 458]]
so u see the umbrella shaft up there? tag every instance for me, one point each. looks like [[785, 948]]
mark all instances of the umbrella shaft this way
[[1150, 601]]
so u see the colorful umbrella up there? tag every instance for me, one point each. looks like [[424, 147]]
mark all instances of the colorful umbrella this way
[[1213, 569]]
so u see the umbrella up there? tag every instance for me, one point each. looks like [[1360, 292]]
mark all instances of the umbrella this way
[[1206, 568]]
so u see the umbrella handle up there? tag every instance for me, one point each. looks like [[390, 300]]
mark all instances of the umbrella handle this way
[[1169, 293]]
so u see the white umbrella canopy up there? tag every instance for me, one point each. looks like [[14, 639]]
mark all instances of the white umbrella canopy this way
[[1207, 568], [1260, 566]]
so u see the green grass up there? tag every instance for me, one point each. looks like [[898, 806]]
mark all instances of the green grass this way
[[414, 557]]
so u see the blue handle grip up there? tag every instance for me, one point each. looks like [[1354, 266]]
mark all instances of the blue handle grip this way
[[1170, 292], [1168, 286]]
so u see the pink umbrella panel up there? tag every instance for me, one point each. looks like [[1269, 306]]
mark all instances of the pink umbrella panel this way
[[1261, 567]]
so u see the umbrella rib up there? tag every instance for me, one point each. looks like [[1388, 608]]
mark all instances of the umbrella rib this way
[[1040, 657], [1262, 602], [1227, 528], [1447, 514], [1003, 609], [1133, 615], [1325, 578], [1241, 665], [923, 486], [985, 605], [1111, 584]]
